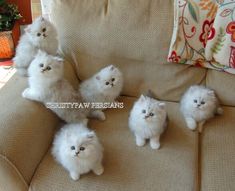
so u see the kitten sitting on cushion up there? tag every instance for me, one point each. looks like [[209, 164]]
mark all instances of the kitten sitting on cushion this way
[[105, 86], [78, 150], [47, 85], [41, 34], [199, 104], [148, 120]]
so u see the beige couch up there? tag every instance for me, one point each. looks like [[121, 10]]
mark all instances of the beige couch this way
[[135, 36]]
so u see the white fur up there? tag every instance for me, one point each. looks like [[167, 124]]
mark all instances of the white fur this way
[[78, 135], [30, 43], [199, 104], [95, 88], [145, 126], [50, 86]]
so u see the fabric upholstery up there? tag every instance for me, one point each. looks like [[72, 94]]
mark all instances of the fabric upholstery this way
[[94, 34], [217, 153], [223, 84], [26, 128], [128, 167], [10, 178]]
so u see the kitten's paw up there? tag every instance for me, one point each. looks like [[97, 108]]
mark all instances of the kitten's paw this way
[[140, 142], [98, 170], [74, 175], [191, 123], [219, 111], [154, 145]]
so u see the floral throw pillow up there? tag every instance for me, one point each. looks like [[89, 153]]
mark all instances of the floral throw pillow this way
[[204, 34]]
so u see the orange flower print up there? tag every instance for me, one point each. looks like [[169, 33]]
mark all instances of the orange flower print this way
[[231, 30], [208, 32]]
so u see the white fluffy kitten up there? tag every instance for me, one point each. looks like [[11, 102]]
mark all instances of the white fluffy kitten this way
[[148, 120], [41, 34], [47, 85], [78, 150], [105, 86], [199, 104]]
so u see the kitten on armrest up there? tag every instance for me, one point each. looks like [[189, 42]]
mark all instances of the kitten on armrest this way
[[41, 34]]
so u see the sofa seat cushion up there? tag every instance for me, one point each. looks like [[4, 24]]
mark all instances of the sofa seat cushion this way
[[128, 167], [217, 153]]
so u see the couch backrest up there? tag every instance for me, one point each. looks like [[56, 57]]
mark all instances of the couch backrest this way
[[132, 34]]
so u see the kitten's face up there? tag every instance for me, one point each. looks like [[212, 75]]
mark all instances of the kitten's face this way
[[40, 30], [108, 78], [80, 146], [202, 100], [46, 66], [148, 109]]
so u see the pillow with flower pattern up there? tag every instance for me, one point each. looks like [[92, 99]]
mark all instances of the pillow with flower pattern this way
[[204, 34]]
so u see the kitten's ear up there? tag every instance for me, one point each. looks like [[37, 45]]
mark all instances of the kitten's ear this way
[[42, 18], [90, 135], [112, 67], [142, 98], [40, 52], [97, 77], [211, 93], [162, 105], [58, 59], [27, 29]]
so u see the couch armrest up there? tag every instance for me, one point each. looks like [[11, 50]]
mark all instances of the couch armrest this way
[[10, 177], [26, 128]]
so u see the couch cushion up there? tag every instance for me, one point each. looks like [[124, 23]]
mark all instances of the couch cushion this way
[[223, 84], [173, 167], [217, 153], [132, 34]]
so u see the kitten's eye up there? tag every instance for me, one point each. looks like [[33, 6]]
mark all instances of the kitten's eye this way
[[202, 102], [48, 68], [151, 114], [195, 101], [72, 147], [113, 79], [82, 148], [107, 83], [39, 34], [143, 111], [41, 65], [44, 30]]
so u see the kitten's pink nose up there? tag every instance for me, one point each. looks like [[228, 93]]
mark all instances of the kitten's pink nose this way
[[77, 153]]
